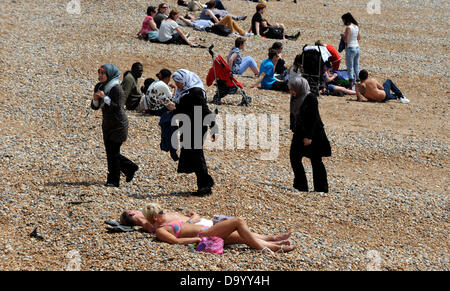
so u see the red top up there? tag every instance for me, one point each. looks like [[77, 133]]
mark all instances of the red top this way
[[334, 53], [146, 28]]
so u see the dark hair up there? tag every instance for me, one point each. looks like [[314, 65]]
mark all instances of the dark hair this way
[[239, 41], [136, 66], [260, 7], [147, 83], [173, 13], [272, 53], [161, 5], [363, 75], [349, 19], [125, 219], [210, 4], [151, 9], [297, 62], [277, 45], [319, 43], [164, 73]]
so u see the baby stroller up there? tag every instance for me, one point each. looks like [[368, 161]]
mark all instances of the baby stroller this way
[[226, 83], [313, 61]]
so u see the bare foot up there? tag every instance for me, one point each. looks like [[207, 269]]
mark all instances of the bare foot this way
[[285, 249], [282, 242], [283, 236]]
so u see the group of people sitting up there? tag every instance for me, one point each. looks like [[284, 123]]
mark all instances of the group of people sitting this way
[[163, 26]]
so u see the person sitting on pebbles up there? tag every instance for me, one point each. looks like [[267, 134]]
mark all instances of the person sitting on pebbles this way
[[370, 89], [177, 230]]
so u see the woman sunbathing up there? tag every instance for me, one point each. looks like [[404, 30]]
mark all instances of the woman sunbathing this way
[[232, 231]]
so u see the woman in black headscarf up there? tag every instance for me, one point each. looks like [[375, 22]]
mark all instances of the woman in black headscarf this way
[[309, 138], [190, 100], [109, 96]]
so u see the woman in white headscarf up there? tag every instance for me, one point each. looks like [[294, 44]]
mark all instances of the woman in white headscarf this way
[[309, 138], [109, 96], [190, 100]]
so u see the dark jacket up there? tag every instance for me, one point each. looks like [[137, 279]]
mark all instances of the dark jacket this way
[[131, 91], [309, 125], [193, 160], [115, 120]]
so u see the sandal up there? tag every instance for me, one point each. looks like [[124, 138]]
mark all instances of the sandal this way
[[267, 250]]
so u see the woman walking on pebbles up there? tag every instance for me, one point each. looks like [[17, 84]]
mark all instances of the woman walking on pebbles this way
[[109, 96], [309, 138], [351, 39], [190, 100]]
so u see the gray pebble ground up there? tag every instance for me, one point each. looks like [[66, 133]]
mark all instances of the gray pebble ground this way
[[388, 174]]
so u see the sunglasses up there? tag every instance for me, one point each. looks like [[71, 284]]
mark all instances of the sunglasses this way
[[161, 212]]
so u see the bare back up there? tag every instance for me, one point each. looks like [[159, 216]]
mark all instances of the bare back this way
[[372, 90]]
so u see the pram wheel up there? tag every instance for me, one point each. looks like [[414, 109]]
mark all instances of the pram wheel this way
[[246, 100]]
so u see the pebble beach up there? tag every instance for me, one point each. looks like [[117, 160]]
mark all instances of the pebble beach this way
[[388, 204]]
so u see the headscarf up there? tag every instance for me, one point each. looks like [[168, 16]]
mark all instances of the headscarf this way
[[113, 74], [301, 88], [189, 80]]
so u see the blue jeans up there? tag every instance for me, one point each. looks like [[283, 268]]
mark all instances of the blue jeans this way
[[390, 86], [352, 62], [246, 63]]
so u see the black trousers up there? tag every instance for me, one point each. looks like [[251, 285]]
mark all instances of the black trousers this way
[[117, 163], [280, 86], [297, 152], [193, 161]]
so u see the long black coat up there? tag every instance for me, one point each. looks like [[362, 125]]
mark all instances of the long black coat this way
[[115, 120], [192, 158], [310, 125]]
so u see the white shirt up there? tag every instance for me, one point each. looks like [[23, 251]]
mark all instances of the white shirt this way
[[158, 95], [167, 29], [353, 38]]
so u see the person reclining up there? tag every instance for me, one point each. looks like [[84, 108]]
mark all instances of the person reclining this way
[[333, 89], [232, 231], [370, 89], [228, 21], [136, 218]]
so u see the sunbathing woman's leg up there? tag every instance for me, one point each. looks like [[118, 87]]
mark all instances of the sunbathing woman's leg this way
[[235, 238], [225, 228]]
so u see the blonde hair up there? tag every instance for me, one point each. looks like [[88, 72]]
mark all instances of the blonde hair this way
[[151, 210]]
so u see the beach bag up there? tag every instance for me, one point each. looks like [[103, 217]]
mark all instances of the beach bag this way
[[221, 30], [213, 245]]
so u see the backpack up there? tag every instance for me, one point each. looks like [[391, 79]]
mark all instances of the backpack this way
[[219, 29]]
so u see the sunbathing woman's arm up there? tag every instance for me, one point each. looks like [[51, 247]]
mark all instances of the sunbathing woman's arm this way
[[167, 237]]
